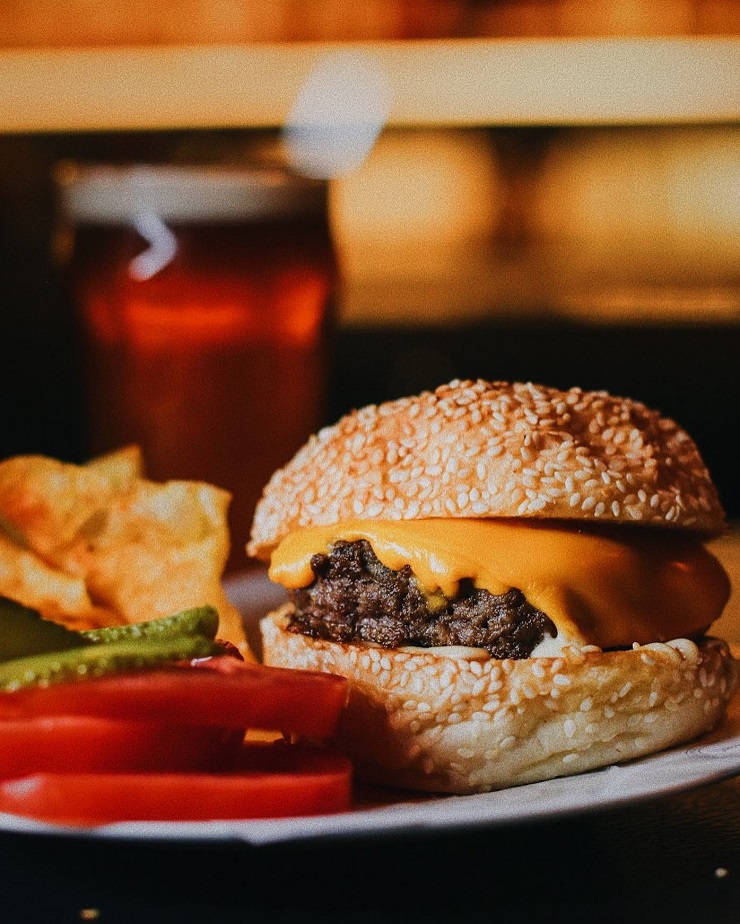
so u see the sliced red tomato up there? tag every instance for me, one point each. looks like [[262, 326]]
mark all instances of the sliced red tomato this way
[[270, 781], [223, 691], [86, 743]]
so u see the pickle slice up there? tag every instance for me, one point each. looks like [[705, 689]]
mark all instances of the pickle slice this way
[[99, 660], [199, 620], [24, 631]]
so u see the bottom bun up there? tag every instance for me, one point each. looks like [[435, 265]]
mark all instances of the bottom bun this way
[[458, 724]]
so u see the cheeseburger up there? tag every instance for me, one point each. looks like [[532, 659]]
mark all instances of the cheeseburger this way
[[512, 578]]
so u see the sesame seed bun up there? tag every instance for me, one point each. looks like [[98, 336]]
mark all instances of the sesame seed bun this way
[[461, 724], [480, 449], [459, 720]]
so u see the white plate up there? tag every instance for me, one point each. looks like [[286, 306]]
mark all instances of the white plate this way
[[382, 812]]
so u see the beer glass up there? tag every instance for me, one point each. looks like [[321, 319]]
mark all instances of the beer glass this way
[[204, 300]]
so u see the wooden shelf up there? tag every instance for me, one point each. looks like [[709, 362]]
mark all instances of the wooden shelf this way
[[463, 82]]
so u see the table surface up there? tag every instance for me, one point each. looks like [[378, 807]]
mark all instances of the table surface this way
[[671, 859]]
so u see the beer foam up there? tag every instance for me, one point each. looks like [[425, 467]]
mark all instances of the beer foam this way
[[108, 195]]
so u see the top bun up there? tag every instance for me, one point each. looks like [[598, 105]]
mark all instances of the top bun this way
[[492, 449]]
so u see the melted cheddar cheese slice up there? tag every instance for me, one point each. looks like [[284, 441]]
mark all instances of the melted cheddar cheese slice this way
[[610, 587]]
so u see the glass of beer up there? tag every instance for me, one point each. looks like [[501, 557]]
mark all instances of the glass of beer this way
[[204, 299]]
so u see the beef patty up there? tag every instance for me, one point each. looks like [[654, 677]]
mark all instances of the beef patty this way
[[356, 598]]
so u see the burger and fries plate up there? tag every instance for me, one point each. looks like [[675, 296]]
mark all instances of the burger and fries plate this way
[[384, 812], [99, 545]]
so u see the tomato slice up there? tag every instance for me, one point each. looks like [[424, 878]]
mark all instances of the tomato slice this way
[[271, 781], [223, 691], [85, 744]]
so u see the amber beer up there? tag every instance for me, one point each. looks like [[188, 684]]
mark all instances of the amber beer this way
[[204, 302]]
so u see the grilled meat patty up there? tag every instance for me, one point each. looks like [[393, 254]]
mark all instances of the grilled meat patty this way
[[356, 598]]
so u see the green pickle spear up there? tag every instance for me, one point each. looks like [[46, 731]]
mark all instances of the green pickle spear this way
[[99, 660], [200, 620], [24, 631], [36, 651]]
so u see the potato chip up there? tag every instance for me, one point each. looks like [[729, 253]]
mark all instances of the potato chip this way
[[98, 544], [61, 597], [119, 468]]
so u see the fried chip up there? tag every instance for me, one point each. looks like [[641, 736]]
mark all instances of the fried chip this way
[[98, 544], [120, 468], [26, 578]]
